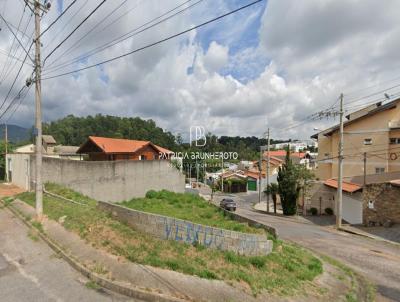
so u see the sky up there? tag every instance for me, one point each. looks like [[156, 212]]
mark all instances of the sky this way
[[270, 65]]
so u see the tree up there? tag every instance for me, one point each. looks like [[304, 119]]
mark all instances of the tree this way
[[288, 185], [273, 190], [3, 159]]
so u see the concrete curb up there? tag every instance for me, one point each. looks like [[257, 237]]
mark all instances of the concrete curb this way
[[368, 236], [114, 286]]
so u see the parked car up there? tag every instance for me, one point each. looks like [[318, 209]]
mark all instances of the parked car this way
[[228, 204]]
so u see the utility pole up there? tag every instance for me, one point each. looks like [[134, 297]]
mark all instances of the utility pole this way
[[38, 108], [222, 175], [268, 169], [6, 149], [340, 172], [260, 174], [37, 7]]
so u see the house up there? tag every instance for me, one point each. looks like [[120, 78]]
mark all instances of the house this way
[[374, 203], [48, 143], [110, 149], [295, 145], [234, 182], [51, 149], [303, 158], [253, 180], [372, 133]]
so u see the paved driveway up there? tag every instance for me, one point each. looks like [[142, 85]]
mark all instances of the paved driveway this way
[[378, 261]]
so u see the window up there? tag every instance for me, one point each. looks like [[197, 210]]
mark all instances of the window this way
[[379, 170], [368, 141], [142, 157], [394, 140]]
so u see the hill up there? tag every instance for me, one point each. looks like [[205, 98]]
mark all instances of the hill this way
[[16, 134]]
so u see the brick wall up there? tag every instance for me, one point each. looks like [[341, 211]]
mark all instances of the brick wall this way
[[185, 231], [386, 204]]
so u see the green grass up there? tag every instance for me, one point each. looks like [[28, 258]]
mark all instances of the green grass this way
[[286, 271], [92, 285], [187, 207]]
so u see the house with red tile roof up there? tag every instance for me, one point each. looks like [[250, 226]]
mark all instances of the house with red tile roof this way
[[106, 149]]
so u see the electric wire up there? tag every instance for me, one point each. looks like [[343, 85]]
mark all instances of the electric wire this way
[[73, 31], [124, 37], [157, 42]]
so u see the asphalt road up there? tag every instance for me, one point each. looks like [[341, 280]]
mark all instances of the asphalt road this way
[[30, 271], [378, 261]]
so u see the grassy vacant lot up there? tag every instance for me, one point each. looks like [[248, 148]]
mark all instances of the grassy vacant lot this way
[[188, 207], [286, 271]]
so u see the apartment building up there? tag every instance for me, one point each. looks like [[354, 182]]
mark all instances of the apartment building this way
[[371, 139]]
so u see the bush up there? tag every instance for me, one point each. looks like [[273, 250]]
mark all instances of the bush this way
[[314, 211], [151, 194], [328, 211]]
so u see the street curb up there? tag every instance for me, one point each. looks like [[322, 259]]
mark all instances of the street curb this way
[[370, 237], [114, 286]]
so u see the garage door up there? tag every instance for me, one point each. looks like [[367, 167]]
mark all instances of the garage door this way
[[252, 185], [352, 210]]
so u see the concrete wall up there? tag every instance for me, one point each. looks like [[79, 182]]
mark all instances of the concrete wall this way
[[185, 231], [19, 165], [107, 180]]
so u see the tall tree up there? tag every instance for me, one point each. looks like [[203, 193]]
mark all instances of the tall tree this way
[[288, 185], [273, 190]]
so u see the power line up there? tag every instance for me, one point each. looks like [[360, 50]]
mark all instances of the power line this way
[[12, 44], [157, 42], [126, 36], [90, 31], [75, 29], [15, 79], [58, 18], [21, 97], [21, 53], [66, 24], [15, 36]]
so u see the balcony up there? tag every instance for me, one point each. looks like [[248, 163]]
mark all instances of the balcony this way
[[394, 125]]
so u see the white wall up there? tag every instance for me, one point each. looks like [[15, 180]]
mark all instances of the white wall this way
[[352, 209]]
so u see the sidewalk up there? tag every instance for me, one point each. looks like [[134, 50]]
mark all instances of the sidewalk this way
[[357, 231]]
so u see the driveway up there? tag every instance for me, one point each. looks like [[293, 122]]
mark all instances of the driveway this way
[[30, 271], [378, 261]]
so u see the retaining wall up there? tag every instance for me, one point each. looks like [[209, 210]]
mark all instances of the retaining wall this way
[[185, 231]]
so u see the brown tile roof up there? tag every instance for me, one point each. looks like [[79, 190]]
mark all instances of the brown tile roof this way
[[282, 153], [346, 186], [48, 139], [254, 174], [119, 145]]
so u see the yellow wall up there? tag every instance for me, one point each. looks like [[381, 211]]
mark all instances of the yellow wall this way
[[354, 147]]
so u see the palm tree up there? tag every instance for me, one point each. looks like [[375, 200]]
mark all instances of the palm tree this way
[[273, 190]]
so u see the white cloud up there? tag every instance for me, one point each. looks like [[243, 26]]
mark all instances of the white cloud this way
[[315, 49]]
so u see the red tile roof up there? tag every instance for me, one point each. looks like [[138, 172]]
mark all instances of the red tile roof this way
[[346, 186], [282, 153], [253, 174], [118, 145]]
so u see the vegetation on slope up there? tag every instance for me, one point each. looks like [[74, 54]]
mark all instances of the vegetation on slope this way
[[187, 207], [285, 271]]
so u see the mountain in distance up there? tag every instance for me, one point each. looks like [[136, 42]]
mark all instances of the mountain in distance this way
[[16, 134]]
